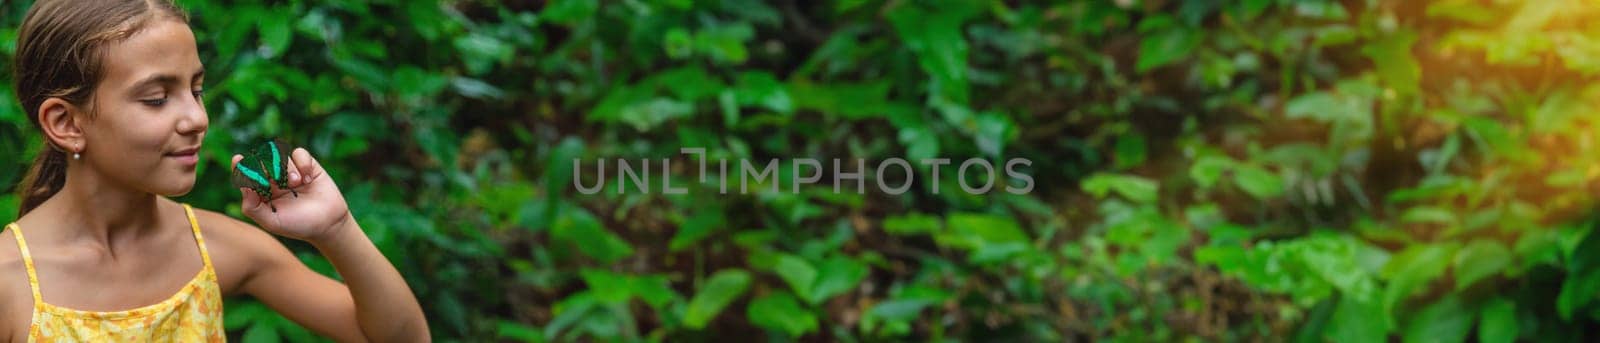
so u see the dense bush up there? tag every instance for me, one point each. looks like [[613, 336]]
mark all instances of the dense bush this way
[[1306, 170]]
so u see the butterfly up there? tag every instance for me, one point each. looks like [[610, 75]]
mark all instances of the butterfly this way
[[264, 167]]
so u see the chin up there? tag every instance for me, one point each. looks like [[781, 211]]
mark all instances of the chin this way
[[175, 192], [176, 189]]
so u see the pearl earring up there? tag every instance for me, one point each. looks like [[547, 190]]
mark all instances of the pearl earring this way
[[76, 156]]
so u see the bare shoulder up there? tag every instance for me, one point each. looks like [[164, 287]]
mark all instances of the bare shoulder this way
[[16, 299], [238, 249]]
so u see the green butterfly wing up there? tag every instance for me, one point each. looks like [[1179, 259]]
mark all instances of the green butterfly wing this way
[[262, 168], [248, 173], [275, 158]]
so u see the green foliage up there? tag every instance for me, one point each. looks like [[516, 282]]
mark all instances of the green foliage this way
[[719, 291], [1240, 170]]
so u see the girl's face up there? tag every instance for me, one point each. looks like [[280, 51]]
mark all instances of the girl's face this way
[[148, 120]]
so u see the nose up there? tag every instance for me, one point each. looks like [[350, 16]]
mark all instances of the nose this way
[[194, 120]]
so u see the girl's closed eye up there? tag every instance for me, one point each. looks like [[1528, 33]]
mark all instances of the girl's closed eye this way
[[155, 102]]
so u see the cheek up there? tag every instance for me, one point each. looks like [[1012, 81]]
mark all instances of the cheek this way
[[133, 133], [126, 144]]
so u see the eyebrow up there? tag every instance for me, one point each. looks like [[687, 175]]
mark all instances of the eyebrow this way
[[162, 79]]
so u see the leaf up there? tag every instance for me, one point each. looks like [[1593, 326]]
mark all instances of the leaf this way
[[836, 275], [705, 221], [1480, 259], [440, 143], [1333, 108], [1207, 170], [1134, 188], [761, 88], [606, 286], [779, 311], [261, 333], [976, 231], [1166, 46], [896, 314], [244, 313], [1414, 268], [1446, 320], [476, 89], [687, 84], [899, 309], [1257, 181], [934, 35], [921, 144], [654, 290], [678, 43], [291, 332], [1253, 8], [1565, 178], [1463, 10], [1337, 262], [910, 224], [719, 291], [505, 329], [1577, 291], [795, 271], [577, 227], [1538, 247], [425, 17], [725, 43], [1584, 254], [1315, 324], [1358, 321], [730, 107], [480, 52], [893, 316], [1498, 321], [275, 33], [1391, 54], [568, 312], [1428, 214], [568, 151], [415, 82], [640, 108], [1130, 151], [569, 12], [994, 130], [851, 101]]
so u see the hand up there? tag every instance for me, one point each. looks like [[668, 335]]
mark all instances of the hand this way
[[317, 213]]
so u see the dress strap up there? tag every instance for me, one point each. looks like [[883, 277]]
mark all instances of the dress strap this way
[[198, 239], [27, 262]]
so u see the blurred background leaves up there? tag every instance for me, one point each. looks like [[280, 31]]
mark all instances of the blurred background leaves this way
[[1314, 170]]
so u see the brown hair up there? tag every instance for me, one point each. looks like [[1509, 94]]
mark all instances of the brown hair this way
[[60, 48]]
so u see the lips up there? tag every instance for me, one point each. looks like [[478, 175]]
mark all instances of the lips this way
[[187, 157], [189, 151]]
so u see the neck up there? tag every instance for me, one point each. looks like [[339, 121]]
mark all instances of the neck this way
[[96, 208]]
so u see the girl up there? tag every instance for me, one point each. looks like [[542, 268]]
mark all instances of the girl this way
[[102, 254]]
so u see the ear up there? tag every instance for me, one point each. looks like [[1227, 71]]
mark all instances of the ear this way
[[61, 123]]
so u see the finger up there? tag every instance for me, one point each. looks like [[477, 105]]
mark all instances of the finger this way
[[235, 163], [309, 168], [294, 172], [251, 202]]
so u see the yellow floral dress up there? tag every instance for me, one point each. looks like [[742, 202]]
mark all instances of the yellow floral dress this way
[[194, 314]]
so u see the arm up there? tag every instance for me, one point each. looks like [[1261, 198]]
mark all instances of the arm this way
[[381, 296], [374, 303]]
